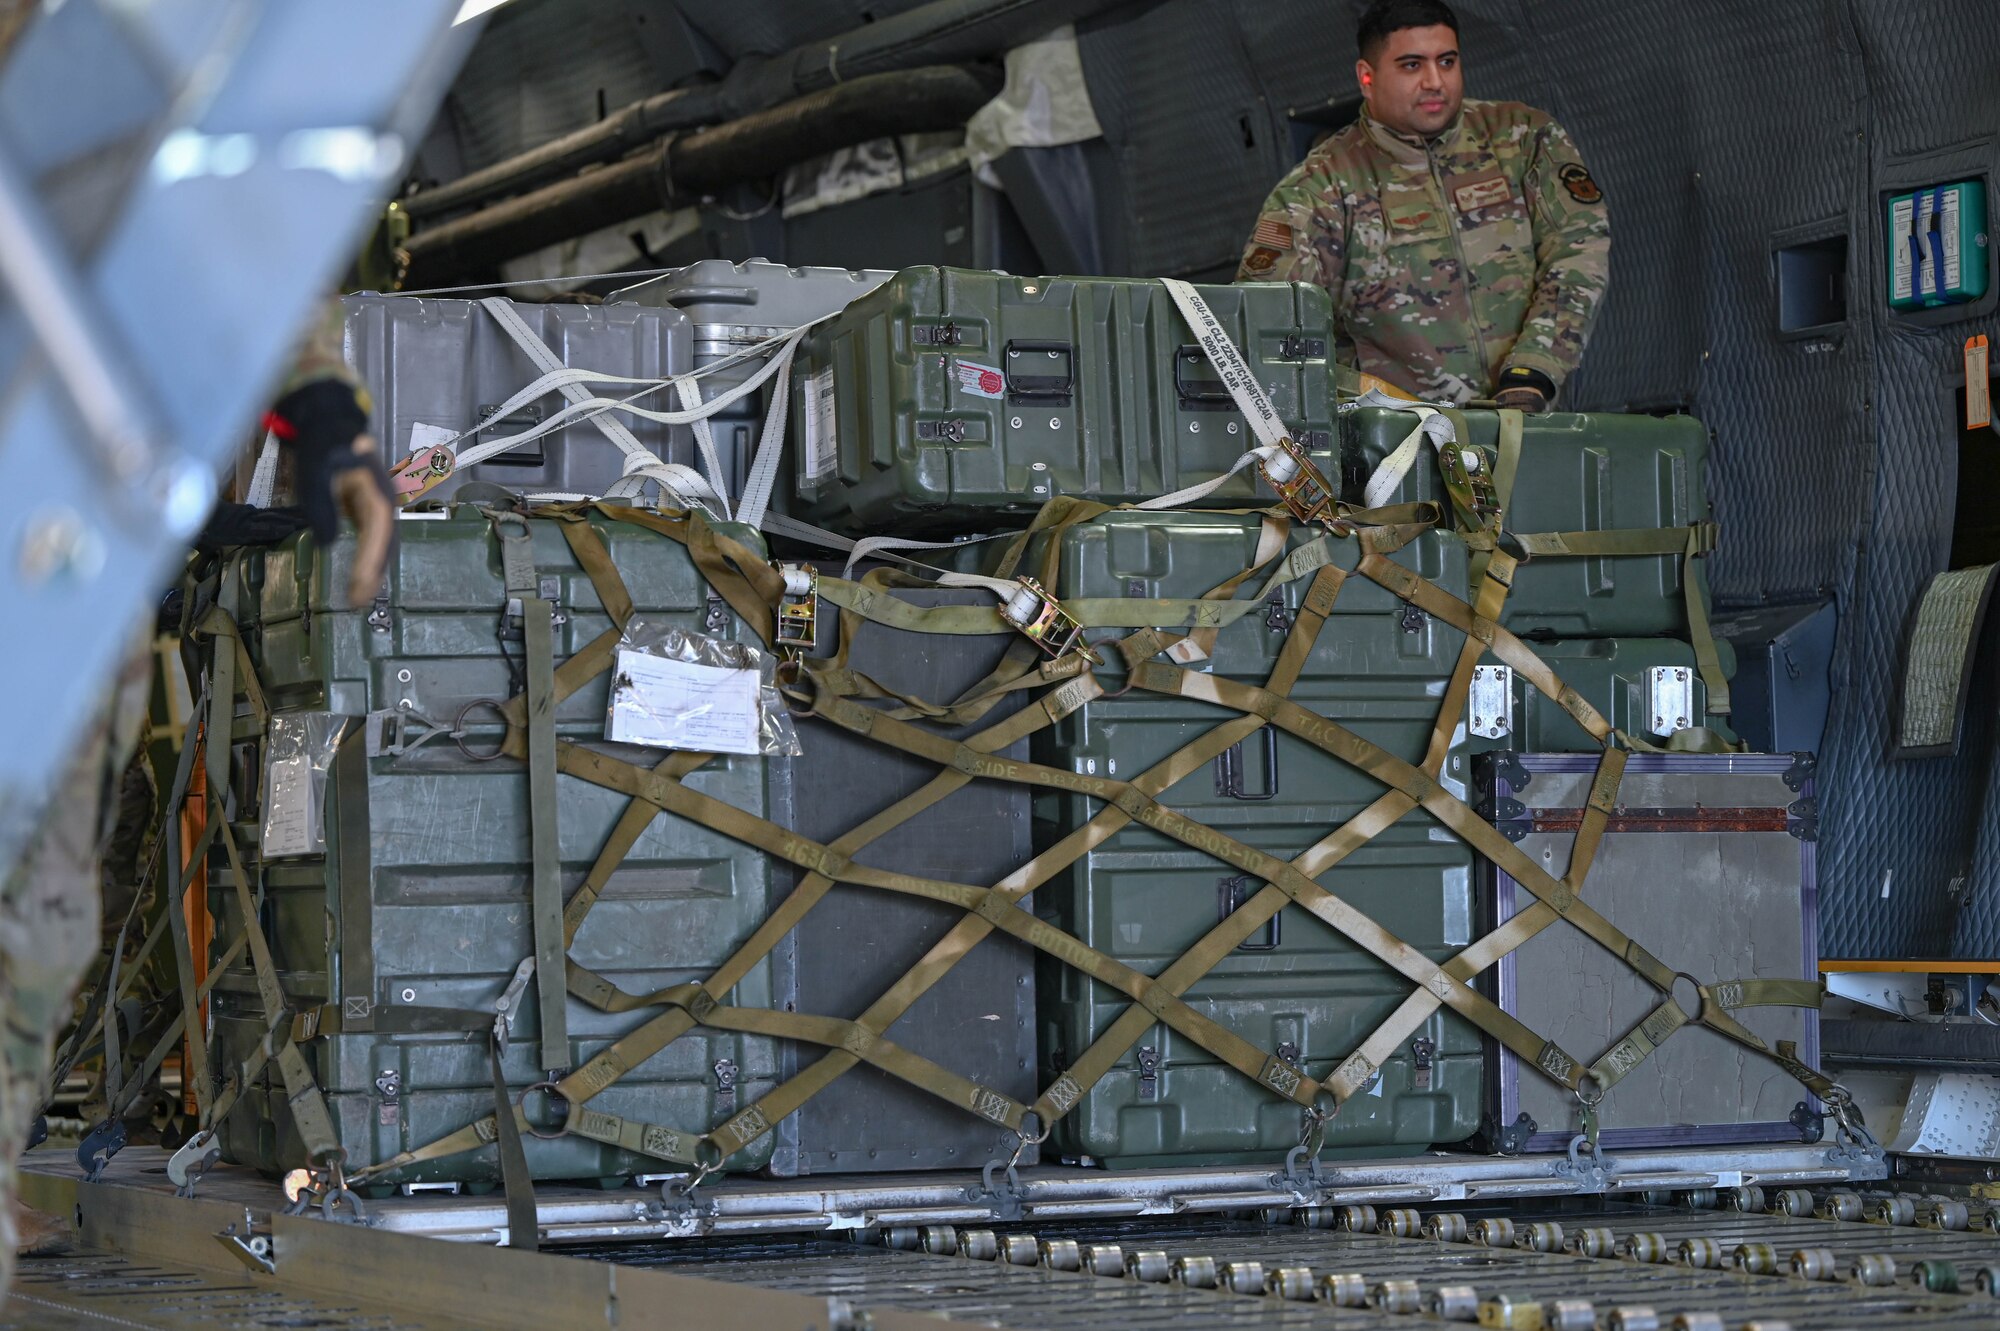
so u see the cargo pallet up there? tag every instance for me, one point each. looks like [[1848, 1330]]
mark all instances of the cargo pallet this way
[[1760, 1236]]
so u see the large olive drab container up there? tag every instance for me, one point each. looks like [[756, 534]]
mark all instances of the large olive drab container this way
[[421, 898], [1296, 988], [947, 401], [1578, 472]]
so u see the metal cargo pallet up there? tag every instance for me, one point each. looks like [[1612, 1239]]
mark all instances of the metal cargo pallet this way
[[740, 1205], [1086, 1249]]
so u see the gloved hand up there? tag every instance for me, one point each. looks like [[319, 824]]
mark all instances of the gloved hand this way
[[1524, 389], [340, 470]]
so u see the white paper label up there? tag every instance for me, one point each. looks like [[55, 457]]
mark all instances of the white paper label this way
[[1900, 252], [291, 823], [1914, 247], [979, 380], [820, 454], [424, 436], [679, 705]]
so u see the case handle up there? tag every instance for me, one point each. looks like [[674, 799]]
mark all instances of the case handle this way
[[1054, 389]]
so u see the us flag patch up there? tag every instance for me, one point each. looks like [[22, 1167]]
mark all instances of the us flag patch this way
[[1273, 232]]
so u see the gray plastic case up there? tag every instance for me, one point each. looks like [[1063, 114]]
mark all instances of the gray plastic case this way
[[979, 1018], [448, 363], [1709, 864], [737, 305]]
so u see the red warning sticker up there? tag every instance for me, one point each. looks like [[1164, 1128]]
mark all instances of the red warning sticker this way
[[979, 380]]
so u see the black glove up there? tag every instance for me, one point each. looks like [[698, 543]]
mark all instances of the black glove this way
[[340, 469], [244, 524], [1524, 389]]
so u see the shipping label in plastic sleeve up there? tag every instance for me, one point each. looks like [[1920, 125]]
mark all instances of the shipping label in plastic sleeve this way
[[979, 380], [667, 704], [288, 812], [297, 757], [819, 455], [424, 436]]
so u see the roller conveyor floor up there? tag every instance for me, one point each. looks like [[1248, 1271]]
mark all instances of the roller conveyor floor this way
[[1437, 1282], [1625, 1262]]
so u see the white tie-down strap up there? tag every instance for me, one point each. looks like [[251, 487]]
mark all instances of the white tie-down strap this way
[[777, 524], [591, 408], [683, 486], [762, 475], [552, 382], [264, 479], [704, 441], [1389, 474], [755, 501], [548, 362], [1243, 387], [887, 546]]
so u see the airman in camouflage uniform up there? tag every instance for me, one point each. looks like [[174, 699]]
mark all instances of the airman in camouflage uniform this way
[[1463, 262], [49, 901], [48, 935]]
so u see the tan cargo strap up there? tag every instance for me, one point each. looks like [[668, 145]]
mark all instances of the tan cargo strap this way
[[219, 623], [690, 1000], [1602, 800], [118, 1101], [1459, 818], [1505, 468], [109, 987], [1126, 802], [595, 989], [641, 1044], [1072, 1083], [1692, 542], [537, 616], [1442, 605], [1020, 667], [310, 1116], [746, 827]]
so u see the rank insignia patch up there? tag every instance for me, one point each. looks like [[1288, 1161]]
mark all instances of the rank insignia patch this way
[[1576, 179]]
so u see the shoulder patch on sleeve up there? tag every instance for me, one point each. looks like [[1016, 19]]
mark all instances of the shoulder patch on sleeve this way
[[1260, 261], [1575, 178], [1273, 233]]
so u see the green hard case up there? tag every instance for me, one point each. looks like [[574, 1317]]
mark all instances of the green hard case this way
[[1296, 988], [948, 401], [421, 898], [1578, 472]]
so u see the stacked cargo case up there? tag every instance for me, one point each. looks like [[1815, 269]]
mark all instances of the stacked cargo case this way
[[937, 404], [435, 369], [420, 899], [944, 402], [979, 1018], [732, 309]]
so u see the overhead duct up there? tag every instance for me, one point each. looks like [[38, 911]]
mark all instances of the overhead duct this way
[[940, 33], [678, 170]]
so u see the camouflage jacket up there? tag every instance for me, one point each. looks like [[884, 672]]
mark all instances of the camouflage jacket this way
[[1449, 261]]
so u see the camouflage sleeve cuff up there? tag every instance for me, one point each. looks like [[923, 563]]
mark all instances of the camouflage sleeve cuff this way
[[1534, 360]]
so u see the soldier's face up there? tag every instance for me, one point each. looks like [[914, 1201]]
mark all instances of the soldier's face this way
[[1414, 84]]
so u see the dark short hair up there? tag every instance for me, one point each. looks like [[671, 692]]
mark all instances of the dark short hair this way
[[1385, 17]]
